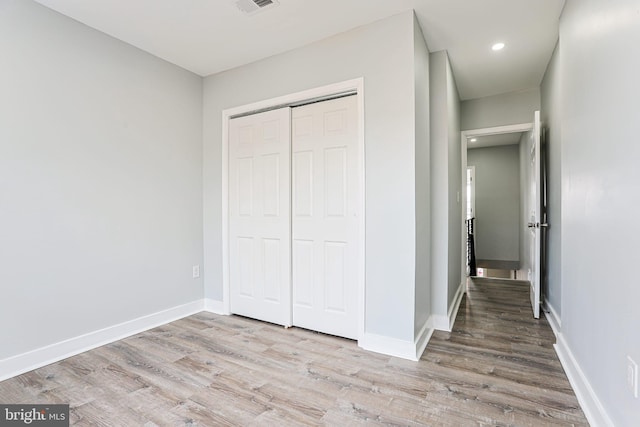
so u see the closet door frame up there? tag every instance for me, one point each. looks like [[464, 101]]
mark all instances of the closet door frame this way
[[355, 85]]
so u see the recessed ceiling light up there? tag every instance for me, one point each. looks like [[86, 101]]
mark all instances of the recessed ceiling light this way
[[473, 140], [498, 46]]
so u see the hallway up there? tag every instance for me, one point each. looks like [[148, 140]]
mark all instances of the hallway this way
[[500, 361], [497, 367]]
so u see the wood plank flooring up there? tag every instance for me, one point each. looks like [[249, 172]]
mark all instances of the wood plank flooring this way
[[497, 367]]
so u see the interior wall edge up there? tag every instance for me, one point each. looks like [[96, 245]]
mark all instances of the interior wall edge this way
[[215, 307], [422, 338], [399, 348], [441, 322], [455, 304]]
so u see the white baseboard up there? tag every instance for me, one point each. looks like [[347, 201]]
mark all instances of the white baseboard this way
[[441, 322], [43, 356], [387, 345], [214, 306], [591, 405], [455, 305], [398, 348], [423, 339], [552, 317]]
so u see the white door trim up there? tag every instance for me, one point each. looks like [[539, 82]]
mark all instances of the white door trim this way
[[464, 136], [356, 85]]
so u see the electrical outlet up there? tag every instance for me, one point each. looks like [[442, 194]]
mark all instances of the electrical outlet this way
[[632, 376], [196, 271]]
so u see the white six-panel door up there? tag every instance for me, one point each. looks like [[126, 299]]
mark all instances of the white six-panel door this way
[[259, 216], [325, 204]]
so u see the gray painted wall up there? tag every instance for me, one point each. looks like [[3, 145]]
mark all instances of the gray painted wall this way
[[100, 180], [599, 92], [499, 110], [497, 187], [423, 181], [439, 182], [551, 120], [383, 53], [455, 184], [445, 184]]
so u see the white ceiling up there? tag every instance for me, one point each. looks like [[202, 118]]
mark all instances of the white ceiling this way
[[209, 36], [494, 140]]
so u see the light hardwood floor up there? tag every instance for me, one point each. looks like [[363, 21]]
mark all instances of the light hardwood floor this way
[[497, 367]]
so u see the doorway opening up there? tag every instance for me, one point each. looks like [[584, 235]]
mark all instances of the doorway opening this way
[[503, 203], [493, 203]]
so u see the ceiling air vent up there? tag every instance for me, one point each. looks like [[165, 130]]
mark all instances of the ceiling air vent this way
[[253, 6]]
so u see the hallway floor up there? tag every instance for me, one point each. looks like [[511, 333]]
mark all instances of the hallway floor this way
[[503, 359]]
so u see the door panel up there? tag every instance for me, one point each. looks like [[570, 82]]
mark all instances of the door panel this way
[[535, 217], [335, 171], [303, 272], [244, 262], [303, 184], [271, 185], [259, 219], [244, 169], [325, 227], [335, 276]]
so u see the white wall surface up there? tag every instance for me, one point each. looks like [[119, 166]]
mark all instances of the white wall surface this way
[[423, 180], [100, 180], [382, 53], [601, 195], [551, 91], [497, 224], [499, 110], [445, 184]]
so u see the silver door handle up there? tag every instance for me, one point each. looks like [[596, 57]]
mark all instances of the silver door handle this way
[[537, 225]]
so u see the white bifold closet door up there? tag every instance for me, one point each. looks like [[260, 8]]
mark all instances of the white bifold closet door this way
[[325, 204], [293, 216], [259, 216]]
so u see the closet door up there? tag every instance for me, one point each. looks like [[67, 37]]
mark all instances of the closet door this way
[[325, 213], [259, 216]]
